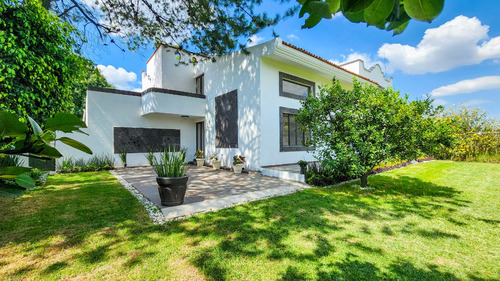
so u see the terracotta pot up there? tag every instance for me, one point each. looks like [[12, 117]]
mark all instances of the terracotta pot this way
[[237, 168], [172, 190], [200, 162], [216, 164]]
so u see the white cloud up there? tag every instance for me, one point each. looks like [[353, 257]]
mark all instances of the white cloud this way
[[293, 37], [119, 77], [461, 41], [476, 102], [438, 102], [468, 86], [369, 62], [254, 40]]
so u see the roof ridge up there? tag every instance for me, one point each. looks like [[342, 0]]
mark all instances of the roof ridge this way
[[328, 62]]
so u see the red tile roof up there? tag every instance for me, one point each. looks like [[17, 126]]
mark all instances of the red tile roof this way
[[326, 61]]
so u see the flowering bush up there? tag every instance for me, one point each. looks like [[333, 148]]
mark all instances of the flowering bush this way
[[474, 136]]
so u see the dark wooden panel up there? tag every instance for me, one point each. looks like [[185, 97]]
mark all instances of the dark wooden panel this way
[[140, 140], [226, 120]]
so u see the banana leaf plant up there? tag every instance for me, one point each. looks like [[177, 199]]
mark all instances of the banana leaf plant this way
[[17, 139]]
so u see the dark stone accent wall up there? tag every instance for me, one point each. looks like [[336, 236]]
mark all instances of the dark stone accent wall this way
[[226, 120], [141, 140]]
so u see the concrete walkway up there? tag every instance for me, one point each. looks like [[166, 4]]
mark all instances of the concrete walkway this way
[[210, 189]]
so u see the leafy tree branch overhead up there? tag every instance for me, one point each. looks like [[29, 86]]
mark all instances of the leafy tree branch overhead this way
[[391, 15], [216, 26]]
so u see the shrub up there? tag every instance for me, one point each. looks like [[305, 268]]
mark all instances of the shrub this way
[[318, 175], [11, 160], [150, 155], [355, 130], [476, 137], [96, 163]]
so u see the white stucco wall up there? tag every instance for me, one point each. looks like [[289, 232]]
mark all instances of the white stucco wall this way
[[173, 104], [236, 71], [375, 73], [108, 110], [271, 102]]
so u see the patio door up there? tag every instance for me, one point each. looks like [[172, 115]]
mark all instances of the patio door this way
[[200, 135]]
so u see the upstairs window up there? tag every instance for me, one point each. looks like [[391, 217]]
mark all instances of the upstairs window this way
[[295, 87], [199, 84]]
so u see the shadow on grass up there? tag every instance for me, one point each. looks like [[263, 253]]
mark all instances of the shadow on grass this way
[[94, 205]]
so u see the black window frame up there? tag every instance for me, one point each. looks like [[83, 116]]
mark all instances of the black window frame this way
[[202, 86], [283, 148], [296, 80]]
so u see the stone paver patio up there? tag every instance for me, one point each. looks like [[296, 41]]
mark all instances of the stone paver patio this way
[[210, 189]]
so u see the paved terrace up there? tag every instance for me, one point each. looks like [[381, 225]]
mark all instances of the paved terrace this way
[[210, 189]]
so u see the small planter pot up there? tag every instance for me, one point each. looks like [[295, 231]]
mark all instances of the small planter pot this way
[[200, 162], [216, 164], [237, 168], [172, 190]]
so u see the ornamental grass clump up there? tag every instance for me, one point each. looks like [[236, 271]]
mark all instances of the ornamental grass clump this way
[[170, 163]]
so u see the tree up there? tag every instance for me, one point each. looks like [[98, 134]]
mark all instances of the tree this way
[[355, 130], [38, 63], [216, 26], [93, 77]]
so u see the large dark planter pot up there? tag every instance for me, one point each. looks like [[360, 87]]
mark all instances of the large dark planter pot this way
[[172, 190]]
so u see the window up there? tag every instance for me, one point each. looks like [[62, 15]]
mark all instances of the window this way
[[295, 87], [199, 84], [291, 137]]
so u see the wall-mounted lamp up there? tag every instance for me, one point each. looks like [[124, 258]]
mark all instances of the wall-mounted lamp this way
[[184, 116]]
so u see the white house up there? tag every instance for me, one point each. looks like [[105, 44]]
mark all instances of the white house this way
[[238, 104]]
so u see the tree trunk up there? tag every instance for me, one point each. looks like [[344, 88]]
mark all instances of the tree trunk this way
[[364, 180]]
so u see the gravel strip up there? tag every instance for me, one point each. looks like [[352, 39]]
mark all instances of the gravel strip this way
[[154, 212]]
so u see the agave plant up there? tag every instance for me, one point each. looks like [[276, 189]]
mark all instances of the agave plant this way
[[170, 163]]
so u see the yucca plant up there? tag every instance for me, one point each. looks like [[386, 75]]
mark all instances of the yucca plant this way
[[123, 157], [170, 163], [150, 155]]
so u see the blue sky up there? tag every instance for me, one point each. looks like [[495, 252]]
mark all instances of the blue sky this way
[[456, 58]]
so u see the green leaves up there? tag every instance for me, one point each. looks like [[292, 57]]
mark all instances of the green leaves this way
[[75, 144], [378, 11], [10, 126], [16, 139], [391, 15], [355, 130], [25, 181], [353, 6], [424, 10], [65, 122]]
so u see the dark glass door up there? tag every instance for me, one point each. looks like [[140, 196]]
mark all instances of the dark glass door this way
[[200, 138]]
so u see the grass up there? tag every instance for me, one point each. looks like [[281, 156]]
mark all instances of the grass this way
[[430, 221]]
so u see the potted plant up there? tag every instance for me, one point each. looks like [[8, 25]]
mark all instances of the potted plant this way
[[215, 161], [238, 162], [200, 159], [170, 167], [303, 166], [123, 157]]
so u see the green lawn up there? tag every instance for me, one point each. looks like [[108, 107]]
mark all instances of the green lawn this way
[[430, 221]]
